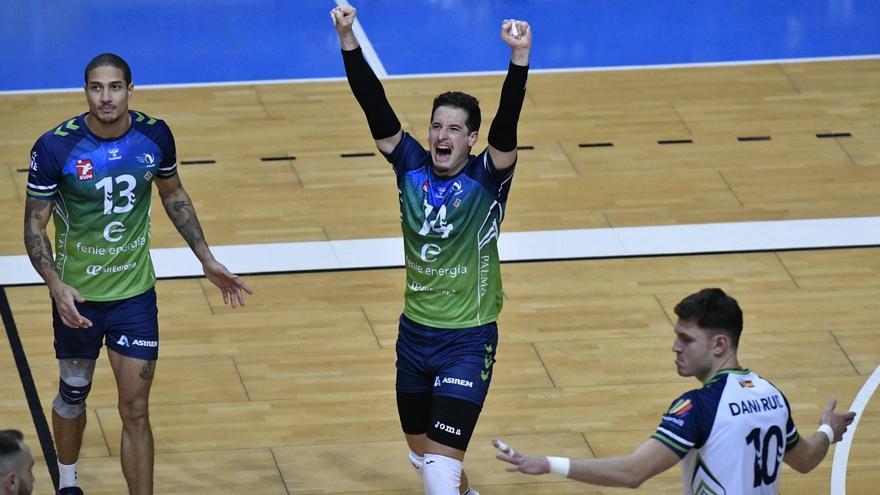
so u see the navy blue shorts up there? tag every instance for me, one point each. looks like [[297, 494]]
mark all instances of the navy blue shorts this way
[[128, 326], [448, 362]]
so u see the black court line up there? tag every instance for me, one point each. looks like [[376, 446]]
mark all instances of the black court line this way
[[277, 158], [197, 162], [753, 138], [675, 141], [526, 147], [356, 155], [834, 134], [595, 145], [30, 390], [22, 169]]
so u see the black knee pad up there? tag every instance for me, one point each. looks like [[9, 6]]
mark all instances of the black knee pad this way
[[453, 421], [414, 411]]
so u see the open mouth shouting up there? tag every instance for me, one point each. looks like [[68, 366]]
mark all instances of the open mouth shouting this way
[[442, 152]]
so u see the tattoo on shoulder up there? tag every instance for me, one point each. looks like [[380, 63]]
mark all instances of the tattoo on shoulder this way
[[148, 370]]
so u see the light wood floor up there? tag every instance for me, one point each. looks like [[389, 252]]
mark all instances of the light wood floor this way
[[294, 393]]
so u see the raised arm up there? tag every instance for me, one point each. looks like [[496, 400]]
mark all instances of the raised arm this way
[[180, 210], [37, 213], [809, 452], [502, 135], [649, 460], [364, 84]]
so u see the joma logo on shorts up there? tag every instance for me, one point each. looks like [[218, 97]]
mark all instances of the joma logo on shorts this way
[[447, 428]]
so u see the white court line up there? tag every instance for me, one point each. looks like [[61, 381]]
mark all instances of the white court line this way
[[663, 240], [841, 452], [431, 75], [369, 52]]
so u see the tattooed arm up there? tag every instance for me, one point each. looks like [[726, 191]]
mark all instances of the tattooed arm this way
[[36, 217], [180, 210]]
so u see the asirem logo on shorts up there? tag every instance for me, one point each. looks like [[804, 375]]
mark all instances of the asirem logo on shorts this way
[[123, 341], [453, 381]]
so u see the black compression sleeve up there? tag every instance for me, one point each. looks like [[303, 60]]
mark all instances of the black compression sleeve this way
[[370, 94], [502, 134]]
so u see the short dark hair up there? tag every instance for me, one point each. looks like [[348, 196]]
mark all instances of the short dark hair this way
[[112, 60], [464, 101], [712, 309], [10, 442]]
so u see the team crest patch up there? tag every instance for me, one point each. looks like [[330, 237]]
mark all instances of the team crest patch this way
[[85, 170], [425, 186], [681, 408], [746, 384]]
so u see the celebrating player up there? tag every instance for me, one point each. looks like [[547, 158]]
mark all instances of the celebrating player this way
[[451, 207]]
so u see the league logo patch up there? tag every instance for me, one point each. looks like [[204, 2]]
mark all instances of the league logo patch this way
[[681, 408], [147, 159], [746, 384], [85, 170], [457, 188], [148, 176]]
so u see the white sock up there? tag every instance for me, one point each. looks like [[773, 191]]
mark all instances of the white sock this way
[[441, 475], [417, 461], [68, 475]]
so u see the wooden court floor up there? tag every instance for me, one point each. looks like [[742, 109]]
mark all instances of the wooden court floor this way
[[294, 393]]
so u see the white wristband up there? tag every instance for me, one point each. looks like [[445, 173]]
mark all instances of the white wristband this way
[[559, 465], [828, 431]]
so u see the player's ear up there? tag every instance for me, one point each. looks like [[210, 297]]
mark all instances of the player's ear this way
[[472, 138], [720, 344]]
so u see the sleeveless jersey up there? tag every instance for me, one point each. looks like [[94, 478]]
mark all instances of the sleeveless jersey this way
[[731, 435], [102, 190], [450, 236]]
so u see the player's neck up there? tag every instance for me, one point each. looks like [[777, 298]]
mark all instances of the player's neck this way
[[445, 174], [111, 130], [723, 363]]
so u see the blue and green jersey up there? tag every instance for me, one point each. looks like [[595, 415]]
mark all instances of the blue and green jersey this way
[[101, 189], [450, 234]]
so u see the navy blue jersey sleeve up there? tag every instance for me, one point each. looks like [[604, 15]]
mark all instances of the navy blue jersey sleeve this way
[[685, 425], [496, 180], [159, 132], [44, 172], [499, 177], [407, 155], [791, 434]]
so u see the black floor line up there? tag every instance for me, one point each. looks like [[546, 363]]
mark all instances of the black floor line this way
[[30, 390]]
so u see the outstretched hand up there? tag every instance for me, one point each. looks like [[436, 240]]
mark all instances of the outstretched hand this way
[[230, 284], [838, 421], [523, 463]]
